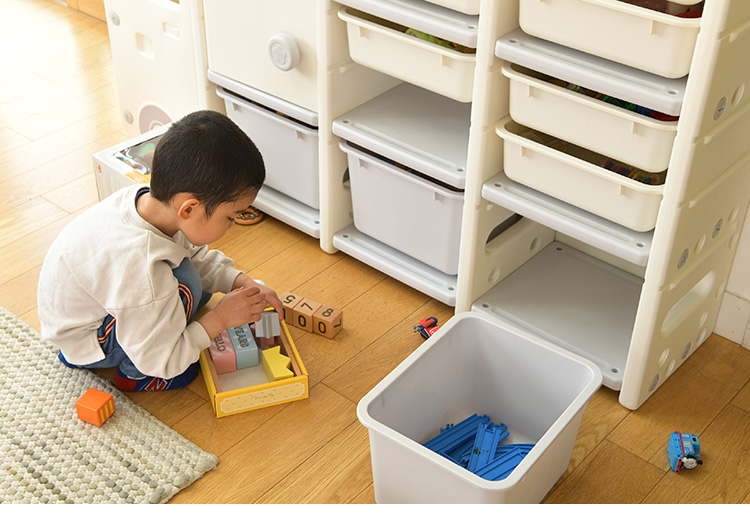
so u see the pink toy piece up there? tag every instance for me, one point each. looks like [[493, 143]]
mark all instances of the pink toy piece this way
[[222, 353]]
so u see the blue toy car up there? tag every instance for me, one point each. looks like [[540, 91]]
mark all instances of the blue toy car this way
[[684, 451]]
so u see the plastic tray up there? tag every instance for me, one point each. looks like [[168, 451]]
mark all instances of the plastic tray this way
[[642, 38], [384, 46], [630, 137], [420, 129], [575, 178]]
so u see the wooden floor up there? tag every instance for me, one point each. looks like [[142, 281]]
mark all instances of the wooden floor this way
[[58, 105]]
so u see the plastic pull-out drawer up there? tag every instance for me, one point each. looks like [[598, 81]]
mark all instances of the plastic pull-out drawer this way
[[415, 41], [410, 213], [417, 128], [578, 176], [657, 42], [464, 6]]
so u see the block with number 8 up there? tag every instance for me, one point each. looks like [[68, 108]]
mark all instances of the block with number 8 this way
[[327, 321]]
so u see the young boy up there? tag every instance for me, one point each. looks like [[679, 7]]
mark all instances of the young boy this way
[[122, 283]]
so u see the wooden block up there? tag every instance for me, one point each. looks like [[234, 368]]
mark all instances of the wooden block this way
[[266, 342], [245, 348], [268, 324], [276, 365], [222, 353], [327, 321], [303, 314], [289, 301], [95, 406]]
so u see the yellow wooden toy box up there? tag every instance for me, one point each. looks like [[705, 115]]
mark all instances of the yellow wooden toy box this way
[[249, 389]]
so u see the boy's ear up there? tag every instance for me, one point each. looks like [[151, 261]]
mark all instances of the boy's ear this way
[[186, 205]]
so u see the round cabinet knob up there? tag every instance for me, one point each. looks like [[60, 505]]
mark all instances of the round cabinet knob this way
[[283, 51]]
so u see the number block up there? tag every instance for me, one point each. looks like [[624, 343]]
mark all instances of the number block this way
[[289, 301], [95, 406], [303, 314], [327, 321]]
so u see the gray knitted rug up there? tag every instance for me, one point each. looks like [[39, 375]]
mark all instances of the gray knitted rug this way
[[48, 455]]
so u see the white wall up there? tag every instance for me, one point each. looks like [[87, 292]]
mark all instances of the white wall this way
[[734, 315]]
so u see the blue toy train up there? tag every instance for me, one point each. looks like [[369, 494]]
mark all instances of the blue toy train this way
[[684, 451]]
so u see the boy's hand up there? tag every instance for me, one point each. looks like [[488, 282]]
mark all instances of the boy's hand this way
[[242, 305], [271, 298]]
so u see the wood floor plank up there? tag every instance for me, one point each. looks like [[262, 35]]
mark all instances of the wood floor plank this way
[[723, 477], [360, 374], [742, 399], [274, 450], [28, 218], [18, 295], [688, 401], [335, 474], [609, 475]]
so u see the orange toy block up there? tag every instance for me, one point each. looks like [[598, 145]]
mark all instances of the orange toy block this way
[[95, 407], [327, 321], [303, 314], [289, 301]]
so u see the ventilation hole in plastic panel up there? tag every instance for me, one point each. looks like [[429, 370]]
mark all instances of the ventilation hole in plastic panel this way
[[654, 383], [683, 258], [717, 228], [699, 245], [663, 357], [733, 215], [671, 367], [720, 289], [686, 306], [494, 274], [737, 95], [704, 318]]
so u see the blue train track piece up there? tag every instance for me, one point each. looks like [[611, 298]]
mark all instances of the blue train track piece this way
[[486, 442], [455, 436]]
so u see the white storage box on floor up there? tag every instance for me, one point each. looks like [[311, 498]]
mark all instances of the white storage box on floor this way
[[476, 364]]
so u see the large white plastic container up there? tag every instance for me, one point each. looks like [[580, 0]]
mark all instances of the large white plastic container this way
[[415, 215], [476, 364], [464, 6], [384, 46], [629, 34], [577, 177], [289, 147]]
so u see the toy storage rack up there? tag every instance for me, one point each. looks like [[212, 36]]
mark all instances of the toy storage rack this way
[[663, 286]]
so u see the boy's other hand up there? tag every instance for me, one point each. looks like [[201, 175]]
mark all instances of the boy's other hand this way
[[271, 298]]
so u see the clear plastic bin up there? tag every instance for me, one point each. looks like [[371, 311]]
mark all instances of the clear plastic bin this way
[[476, 364]]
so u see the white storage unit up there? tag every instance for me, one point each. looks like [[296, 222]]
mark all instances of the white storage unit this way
[[662, 274], [476, 365], [159, 56]]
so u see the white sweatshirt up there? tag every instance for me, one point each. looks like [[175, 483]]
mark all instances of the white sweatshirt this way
[[109, 260]]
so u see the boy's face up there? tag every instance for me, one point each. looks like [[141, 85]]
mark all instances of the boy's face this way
[[203, 229]]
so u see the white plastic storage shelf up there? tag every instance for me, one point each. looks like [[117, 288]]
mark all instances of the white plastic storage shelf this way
[[407, 167], [636, 303], [287, 137], [381, 36]]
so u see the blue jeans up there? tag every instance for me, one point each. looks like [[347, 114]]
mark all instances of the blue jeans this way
[[190, 288]]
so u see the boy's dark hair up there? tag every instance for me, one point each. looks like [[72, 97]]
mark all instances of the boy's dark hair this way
[[208, 155]]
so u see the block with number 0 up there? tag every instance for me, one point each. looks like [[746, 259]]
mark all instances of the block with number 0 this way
[[303, 314], [327, 321]]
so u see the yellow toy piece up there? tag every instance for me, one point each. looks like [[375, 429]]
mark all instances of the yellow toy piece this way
[[276, 365]]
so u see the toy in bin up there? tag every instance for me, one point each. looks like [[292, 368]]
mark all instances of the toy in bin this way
[[426, 327], [684, 451]]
